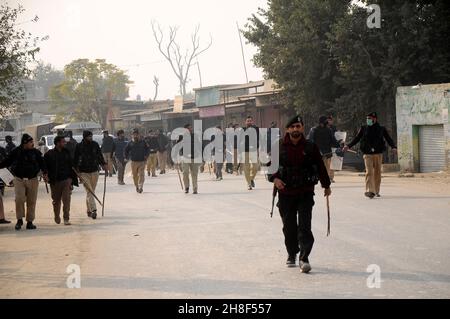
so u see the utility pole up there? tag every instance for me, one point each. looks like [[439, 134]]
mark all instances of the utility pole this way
[[242, 49]]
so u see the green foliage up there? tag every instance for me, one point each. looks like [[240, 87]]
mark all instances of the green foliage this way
[[86, 83], [17, 49], [328, 61], [44, 77]]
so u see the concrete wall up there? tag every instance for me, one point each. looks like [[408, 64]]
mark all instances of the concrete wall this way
[[420, 105]]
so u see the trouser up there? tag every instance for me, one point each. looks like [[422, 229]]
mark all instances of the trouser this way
[[120, 169], [2, 209], [138, 171], [109, 162], [229, 167], [250, 167], [151, 163], [235, 161], [61, 191], [296, 214], [91, 180], [193, 169], [26, 191], [327, 162], [218, 169], [162, 160], [373, 164]]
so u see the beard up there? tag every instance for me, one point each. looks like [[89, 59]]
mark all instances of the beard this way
[[295, 134]]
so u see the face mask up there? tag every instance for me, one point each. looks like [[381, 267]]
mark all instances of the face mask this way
[[369, 122]]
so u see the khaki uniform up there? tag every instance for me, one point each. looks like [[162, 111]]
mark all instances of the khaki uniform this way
[[152, 161], [61, 191], [108, 161], [26, 191], [373, 163], [162, 160], [250, 168], [327, 162], [91, 179], [138, 171], [193, 169]]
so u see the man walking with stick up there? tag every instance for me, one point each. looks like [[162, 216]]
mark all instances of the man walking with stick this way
[[300, 169], [61, 178], [88, 158]]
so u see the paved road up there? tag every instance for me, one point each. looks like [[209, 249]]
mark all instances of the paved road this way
[[221, 243]]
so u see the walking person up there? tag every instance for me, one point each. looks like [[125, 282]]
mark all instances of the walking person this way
[[25, 162], [251, 163], [108, 151], [163, 146], [219, 154], [120, 143], [191, 159], [61, 177], [300, 169], [9, 144], [372, 138], [152, 161], [71, 144], [324, 138], [137, 151], [88, 159]]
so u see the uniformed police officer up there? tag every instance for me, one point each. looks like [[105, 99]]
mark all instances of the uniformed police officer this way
[[300, 169]]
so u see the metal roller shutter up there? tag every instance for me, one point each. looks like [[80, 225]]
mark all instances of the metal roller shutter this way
[[431, 148]]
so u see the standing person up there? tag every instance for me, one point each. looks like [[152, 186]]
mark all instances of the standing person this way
[[9, 144], [218, 161], [88, 159], [251, 165], [372, 138], [163, 145], [120, 143], [324, 138], [26, 163], [108, 151], [189, 164], [152, 161], [61, 177], [229, 165], [71, 144], [138, 151], [300, 169], [2, 189]]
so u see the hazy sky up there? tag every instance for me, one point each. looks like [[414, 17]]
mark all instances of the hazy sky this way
[[120, 32]]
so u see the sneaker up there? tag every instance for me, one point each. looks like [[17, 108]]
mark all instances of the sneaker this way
[[186, 190], [369, 194], [4, 221], [58, 220], [253, 183], [19, 224], [305, 267], [290, 262], [30, 225], [67, 223], [94, 214]]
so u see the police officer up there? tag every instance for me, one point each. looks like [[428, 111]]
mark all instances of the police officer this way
[[300, 169], [372, 138]]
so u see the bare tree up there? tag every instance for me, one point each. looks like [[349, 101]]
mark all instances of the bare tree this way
[[156, 83], [180, 62]]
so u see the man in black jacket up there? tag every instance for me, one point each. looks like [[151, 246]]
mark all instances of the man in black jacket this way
[[372, 138], [9, 144], [25, 163], [61, 177], [163, 145], [137, 150], [300, 169], [191, 158], [88, 158], [324, 138], [108, 151], [153, 145]]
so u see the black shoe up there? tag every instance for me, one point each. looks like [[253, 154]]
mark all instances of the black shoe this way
[[369, 194], [186, 190], [154, 175], [252, 183], [94, 214], [89, 214], [110, 175], [4, 221], [195, 192], [58, 220], [305, 267], [140, 190], [148, 173], [250, 187], [290, 262], [30, 225], [19, 224], [378, 195]]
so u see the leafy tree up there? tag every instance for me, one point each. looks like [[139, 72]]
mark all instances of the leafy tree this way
[[46, 76], [17, 49], [86, 83]]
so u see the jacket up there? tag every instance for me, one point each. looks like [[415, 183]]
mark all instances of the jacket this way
[[88, 157], [245, 139], [153, 144], [324, 138], [137, 151], [120, 145], [59, 166], [108, 145], [372, 139], [295, 157], [24, 163], [163, 142]]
